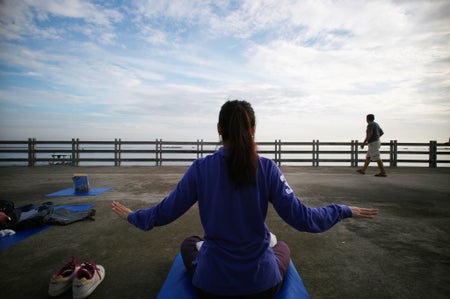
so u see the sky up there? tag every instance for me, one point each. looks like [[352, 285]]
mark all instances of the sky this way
[[146, 70]]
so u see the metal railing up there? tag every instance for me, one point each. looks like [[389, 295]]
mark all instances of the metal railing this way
[[33, 152]]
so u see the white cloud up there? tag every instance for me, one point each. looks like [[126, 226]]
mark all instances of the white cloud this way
[[77, 9], [167, 66]]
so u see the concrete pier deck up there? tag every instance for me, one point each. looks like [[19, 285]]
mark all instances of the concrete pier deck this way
[[403, 253]]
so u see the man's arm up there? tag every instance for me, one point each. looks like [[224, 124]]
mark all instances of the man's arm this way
[[368, 135]]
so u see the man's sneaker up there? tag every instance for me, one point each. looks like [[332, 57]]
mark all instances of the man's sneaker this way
[[87, 278], [62, 280]]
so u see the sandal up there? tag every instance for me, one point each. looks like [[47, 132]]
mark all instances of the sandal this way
[[381, 174], [360, 171]]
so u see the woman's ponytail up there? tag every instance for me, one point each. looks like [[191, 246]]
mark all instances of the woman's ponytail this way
[[237, 121]]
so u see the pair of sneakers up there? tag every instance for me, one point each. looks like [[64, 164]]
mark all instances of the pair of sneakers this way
[[82, 278]]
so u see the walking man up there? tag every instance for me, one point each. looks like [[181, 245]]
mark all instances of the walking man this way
[[373, 134]]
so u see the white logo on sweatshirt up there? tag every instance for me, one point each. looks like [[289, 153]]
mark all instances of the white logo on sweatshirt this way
[[288, 189]]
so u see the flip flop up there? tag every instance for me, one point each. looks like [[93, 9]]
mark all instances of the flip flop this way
[[360, 171], [381, 174]]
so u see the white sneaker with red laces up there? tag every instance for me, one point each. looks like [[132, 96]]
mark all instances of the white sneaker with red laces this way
[[87, 278], [62, 280]]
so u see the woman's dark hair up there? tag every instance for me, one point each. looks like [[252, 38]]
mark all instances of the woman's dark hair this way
[[236, 119]]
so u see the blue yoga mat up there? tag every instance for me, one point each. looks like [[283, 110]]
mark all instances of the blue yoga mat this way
[[80, 207], [178, 285], [71, 192], [9, 241]]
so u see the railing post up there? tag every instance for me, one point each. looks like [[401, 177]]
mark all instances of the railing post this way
[[31, 151], [78, 149], [433, 154], [34, 151], [352, 153], [276, 159], [117, 152], [120, 151], [198, 148], [159, 147], [75, 152], [201, 148], [278, 152], [157, 152], [393, 153], [275, 152], [315, 153]]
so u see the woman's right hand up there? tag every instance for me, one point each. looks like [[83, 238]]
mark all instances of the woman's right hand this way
[[4, 217], [121, 210]]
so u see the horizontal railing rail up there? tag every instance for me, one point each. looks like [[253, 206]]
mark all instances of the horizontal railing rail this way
[[33, 152]]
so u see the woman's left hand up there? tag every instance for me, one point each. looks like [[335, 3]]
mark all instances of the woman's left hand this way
[[358, 212]]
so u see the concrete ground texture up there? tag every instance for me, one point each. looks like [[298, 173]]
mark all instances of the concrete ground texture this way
[[403, 253]]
